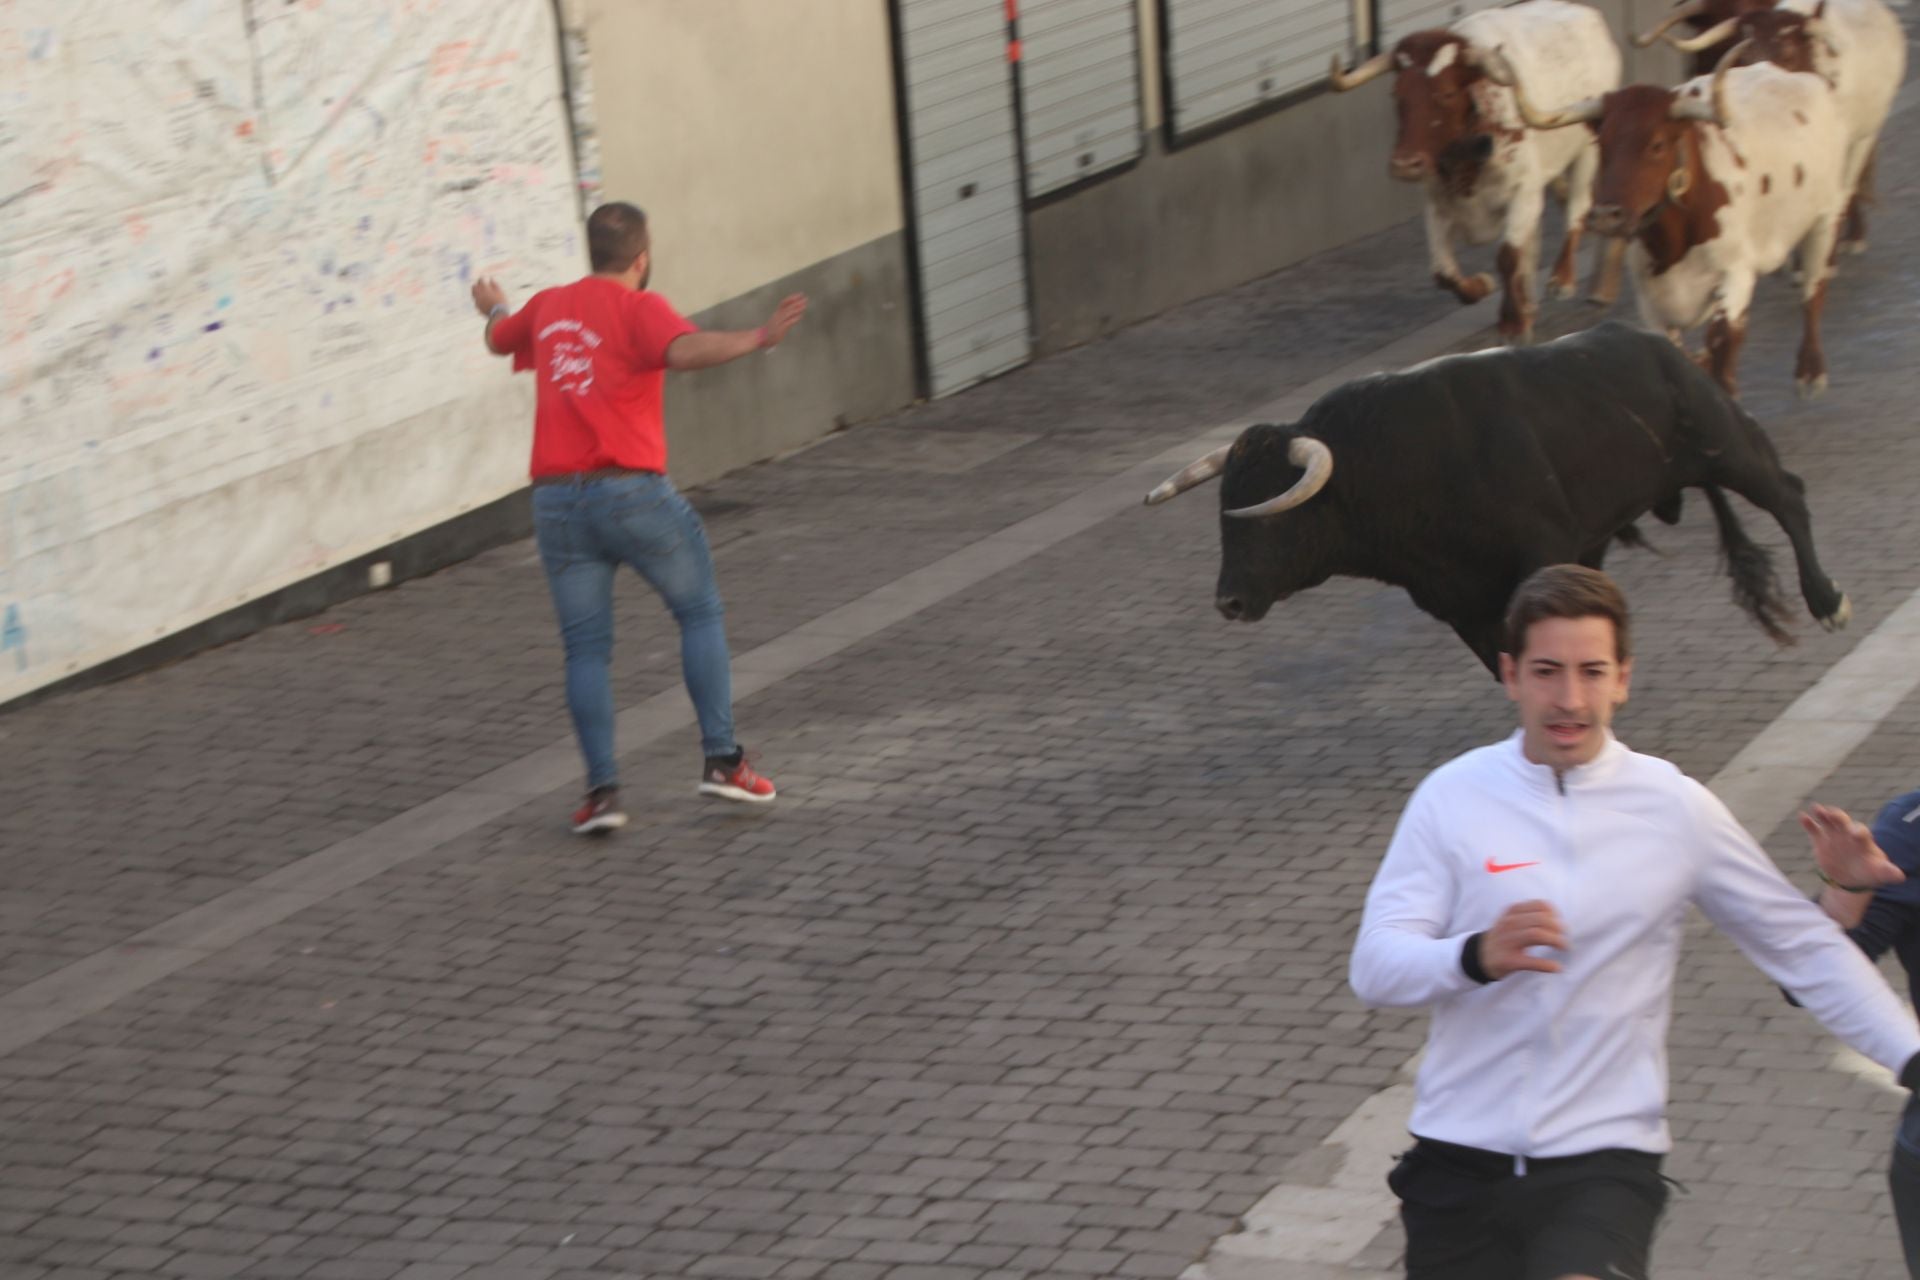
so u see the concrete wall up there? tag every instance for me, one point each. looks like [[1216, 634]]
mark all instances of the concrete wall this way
[[850, 359], [1193, 220], [761, 139]]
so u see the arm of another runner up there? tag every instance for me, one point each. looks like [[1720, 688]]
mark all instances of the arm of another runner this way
[[1410, 952], [706, 348], [1791, 941], [1854, 867]]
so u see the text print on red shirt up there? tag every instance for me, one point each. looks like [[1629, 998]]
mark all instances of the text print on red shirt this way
[[571, 369]]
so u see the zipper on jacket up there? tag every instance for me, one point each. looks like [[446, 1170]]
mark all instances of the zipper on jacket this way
[[1565, 823]]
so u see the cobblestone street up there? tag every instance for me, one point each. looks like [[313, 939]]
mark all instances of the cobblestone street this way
[[1037, 967]]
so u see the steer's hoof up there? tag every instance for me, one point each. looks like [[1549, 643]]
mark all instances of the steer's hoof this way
[[1811, 387], [1839, 618], [1474, 288], [1562, 289]]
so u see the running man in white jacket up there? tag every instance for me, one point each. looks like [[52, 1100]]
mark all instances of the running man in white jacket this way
[[1534, 897]]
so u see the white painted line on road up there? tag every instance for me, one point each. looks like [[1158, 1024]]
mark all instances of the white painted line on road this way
[[1336, 1201]]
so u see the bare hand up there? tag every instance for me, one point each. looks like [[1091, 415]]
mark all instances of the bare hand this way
[[487, 294], [1503, 948], [1845, 851], [785, 316]]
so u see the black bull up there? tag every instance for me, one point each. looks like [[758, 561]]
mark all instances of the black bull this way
[[1456, 479]]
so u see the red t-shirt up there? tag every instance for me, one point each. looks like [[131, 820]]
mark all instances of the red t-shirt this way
[[599, 351]]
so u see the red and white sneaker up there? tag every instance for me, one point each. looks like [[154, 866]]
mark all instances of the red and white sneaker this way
[[735, 780], [600, 812]]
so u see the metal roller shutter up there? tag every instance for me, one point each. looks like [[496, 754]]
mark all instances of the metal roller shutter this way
[[1226, 56], [1079, 88], [969, 221]]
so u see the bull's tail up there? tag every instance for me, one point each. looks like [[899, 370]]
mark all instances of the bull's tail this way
[[1629, 535], [1755, 588]]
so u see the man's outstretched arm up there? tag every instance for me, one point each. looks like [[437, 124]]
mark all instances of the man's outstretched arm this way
[[707, 348], [1744, 895]]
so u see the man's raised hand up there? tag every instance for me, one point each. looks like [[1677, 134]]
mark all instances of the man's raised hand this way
[[785, 316]]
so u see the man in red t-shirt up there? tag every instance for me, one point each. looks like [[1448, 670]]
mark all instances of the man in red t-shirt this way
[[599, 349]]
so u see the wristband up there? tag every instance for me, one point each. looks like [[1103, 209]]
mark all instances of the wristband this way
[[499, 309], [1831, 883], [1470, 960], [760, 342]]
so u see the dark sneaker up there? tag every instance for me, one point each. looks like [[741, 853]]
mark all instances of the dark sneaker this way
[[600, 812], [732, 778]]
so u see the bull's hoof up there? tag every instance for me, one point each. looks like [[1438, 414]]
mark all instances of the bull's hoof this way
[[1600, 298], [1560, 289], [1839, 618], [1811, 387]]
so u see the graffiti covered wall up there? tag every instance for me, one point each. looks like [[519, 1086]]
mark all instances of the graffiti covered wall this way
[[236, 346]]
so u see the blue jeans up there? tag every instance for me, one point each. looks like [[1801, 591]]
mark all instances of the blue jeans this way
[[586, 531], [1903, 1178]]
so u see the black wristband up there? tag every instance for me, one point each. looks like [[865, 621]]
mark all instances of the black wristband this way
[[1470, 960], [1910, 1074]]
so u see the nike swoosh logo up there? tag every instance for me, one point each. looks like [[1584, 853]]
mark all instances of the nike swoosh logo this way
[[1498, 867]]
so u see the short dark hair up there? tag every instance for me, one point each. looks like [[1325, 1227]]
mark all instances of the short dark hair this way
[[616, 235], [1567, 591]]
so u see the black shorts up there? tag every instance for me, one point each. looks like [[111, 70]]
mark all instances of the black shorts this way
[[1470, 1217]]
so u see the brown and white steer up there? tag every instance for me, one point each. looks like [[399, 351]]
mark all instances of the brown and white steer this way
[[1486, 174], [1700, 16], [1716, 183], [1857, 46]]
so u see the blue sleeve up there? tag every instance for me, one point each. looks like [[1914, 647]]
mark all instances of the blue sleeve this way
[[1896, 908]]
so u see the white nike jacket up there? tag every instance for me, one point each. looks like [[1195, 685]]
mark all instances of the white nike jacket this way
[[1552, 1064]]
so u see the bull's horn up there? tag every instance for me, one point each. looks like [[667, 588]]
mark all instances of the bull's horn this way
[[1671, 21], [1304, 452], [1190, 475], [1345, 80], [1706, 39]]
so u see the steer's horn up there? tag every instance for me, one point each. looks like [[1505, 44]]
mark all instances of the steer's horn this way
[[1706, 39], [1345, 80], [1579, 113], [1304, 452], [1190, 475], [1494, 63], [1816, 29], [1714, 110], [1671, 21]]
